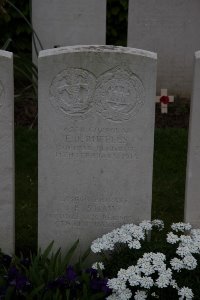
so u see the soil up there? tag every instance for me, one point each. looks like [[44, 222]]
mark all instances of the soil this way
[[177, 116]]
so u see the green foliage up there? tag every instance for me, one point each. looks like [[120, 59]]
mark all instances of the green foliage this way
[[13, 27], [117, 19], [49, 276], [169, 173], [16, 36]]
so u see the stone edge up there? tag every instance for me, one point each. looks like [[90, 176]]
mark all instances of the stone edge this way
[[92, 48], [6, 54]]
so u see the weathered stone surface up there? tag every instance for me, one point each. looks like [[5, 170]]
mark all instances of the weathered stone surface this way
[[192, 206], [6, 153], [96, 125], [170, 28], [69, 22]]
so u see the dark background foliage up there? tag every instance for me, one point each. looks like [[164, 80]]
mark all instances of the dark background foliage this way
[[13, 26], [117, 18]]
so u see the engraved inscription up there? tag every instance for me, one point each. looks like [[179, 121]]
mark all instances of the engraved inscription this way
[[72, 91], [97, 143], [119, 94], [1, 94], [79, 211]]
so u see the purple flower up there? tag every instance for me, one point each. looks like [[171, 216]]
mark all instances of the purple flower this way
[[15, 278], [100, 285], [12, 273], [70, 274], [92, 272]]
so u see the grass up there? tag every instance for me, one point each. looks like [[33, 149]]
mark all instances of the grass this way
[[170, 156], [168, 181]]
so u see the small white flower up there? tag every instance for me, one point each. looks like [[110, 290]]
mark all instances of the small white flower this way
[[133, 270], [133, 275], [164, 278], [189, 262], [172, 238], [185, 240], [146, 225], [158, 260], [116, 284], [174, 284], [122, 274], [98, 265], [112, 297], [195, 233], [125, 295], [146, 282], [185, 293], [140, 295], [154, 295], [134, 280], [135, 244], [158, 224], [181, 226], [183, 251], [176, 264]]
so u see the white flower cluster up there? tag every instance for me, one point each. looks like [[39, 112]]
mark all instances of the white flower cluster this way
[[98, 266], [140, 275], [181, 227], [187, 245], [129, 234]]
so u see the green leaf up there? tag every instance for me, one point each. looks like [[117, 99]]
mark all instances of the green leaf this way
[[35, 292], [85, 255], [6, 44], [69, 254], [47, 251]]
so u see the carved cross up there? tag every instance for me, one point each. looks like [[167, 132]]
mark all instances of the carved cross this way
[[164, 100]]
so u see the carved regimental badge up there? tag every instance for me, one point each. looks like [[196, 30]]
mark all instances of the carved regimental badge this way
[[1, 94], [72, 91], [119, 94]]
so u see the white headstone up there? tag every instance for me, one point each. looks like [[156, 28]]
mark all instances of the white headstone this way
[[69, 22], [6, 153], [96, 127], [192, 206], [170, 28]]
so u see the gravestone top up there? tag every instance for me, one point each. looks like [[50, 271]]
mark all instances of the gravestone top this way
[[95, 149], [97, 48], [7, 54], [68, 22], [167, 27]]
